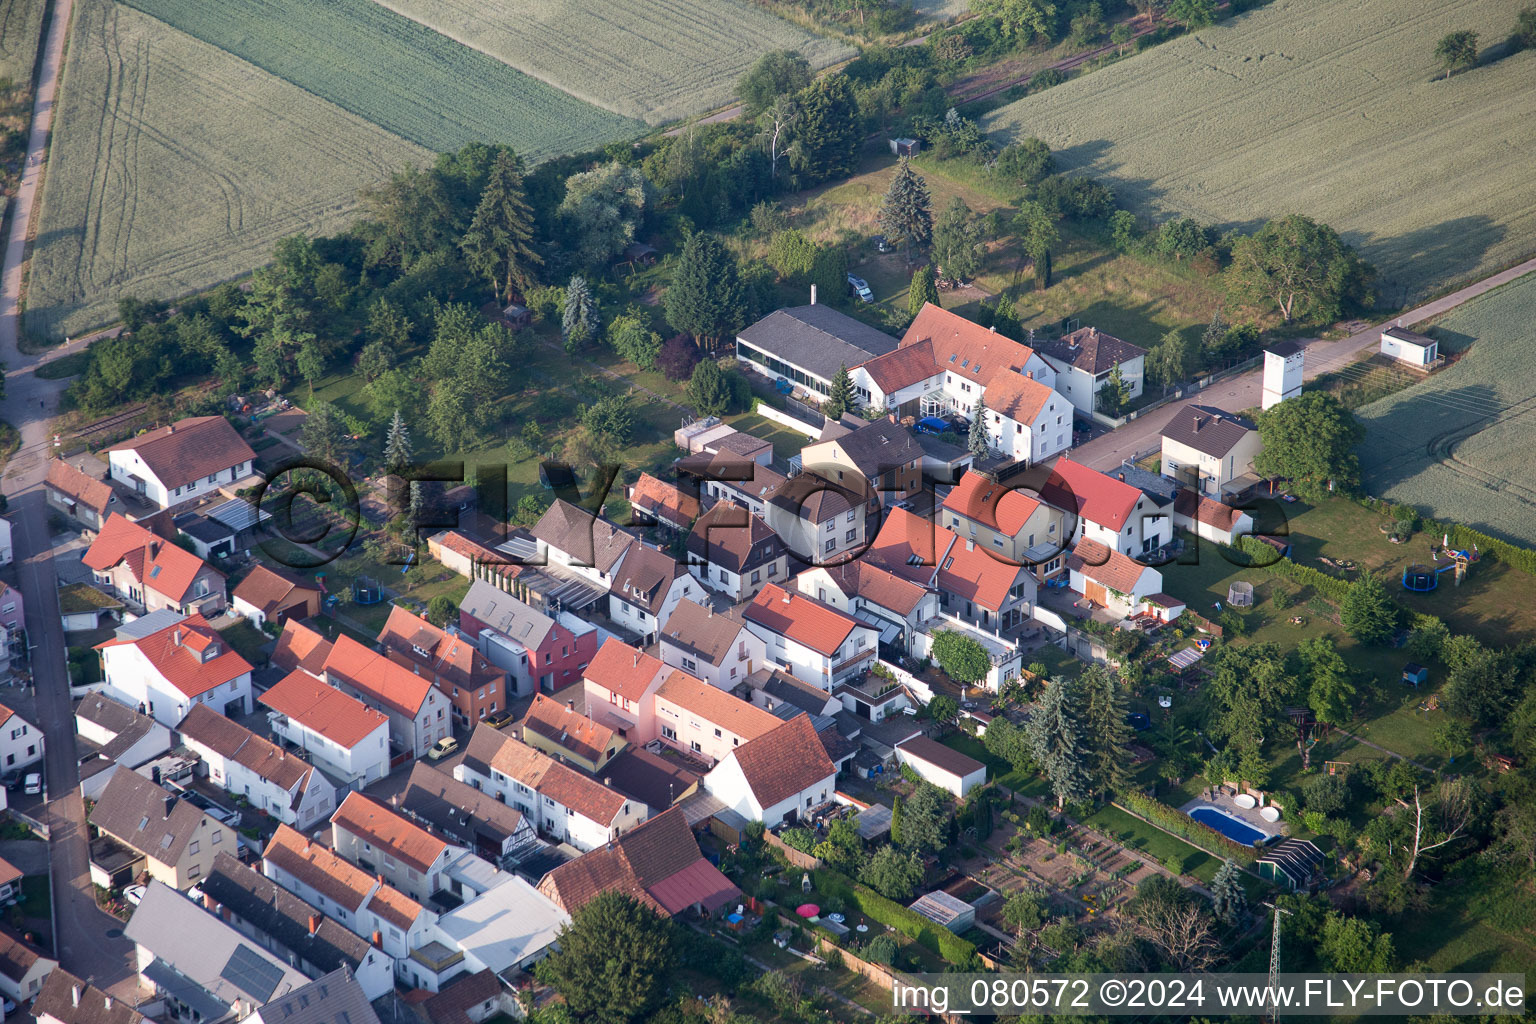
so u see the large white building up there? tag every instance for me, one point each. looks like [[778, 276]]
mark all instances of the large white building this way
[[777, 778], [183, 461], [165, 663], [1284, 366], [1086, 360], [339, 734], [813, 642]]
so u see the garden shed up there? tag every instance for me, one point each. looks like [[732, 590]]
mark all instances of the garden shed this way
[[1293, 863], [943, 766], [949, 911], [1415, 674]]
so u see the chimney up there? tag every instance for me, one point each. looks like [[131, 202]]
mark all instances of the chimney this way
[[227, 914], [993, 328], [1121, 476], [608, 781], [107, 1002], [314, 923], [813, 295], [209, 903], [74, 995], [170, 803], [176, 636], [570, 705], [170, 428]]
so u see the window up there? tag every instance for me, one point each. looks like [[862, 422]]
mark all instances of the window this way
[[192, 846], [773, 570], [831, 525], [717, 733], [217, 837], [831, 545], [757, 575], [696, 748], [850, 536], [690, 665], [213, 478], [195, 872], [851, 513]]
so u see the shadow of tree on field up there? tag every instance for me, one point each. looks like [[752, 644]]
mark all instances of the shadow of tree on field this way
[[1441, 254]]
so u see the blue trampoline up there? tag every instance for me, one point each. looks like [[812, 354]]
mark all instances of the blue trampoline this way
[[1422, 578]]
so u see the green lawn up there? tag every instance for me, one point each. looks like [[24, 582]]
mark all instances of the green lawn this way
[[1481, 918], [1132, 832], [247, 641]]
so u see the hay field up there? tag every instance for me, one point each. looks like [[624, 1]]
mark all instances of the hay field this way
[[658, 60], [21, 34], [175, 165], [1324, 109], [401, 75], [1459, 444]]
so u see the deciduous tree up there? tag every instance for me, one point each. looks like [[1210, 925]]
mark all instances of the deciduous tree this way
[[958, 236], [1193, 14], [602, 208], [1024, 20], [1367, 612], [1457, 51], [1310, 440], [963, 659], [775, 74], [1330, 693], [1303, 267], [893, 873]]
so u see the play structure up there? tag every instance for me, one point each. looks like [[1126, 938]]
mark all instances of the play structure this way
[[366, 590], [1240, 595], [1422, 578]]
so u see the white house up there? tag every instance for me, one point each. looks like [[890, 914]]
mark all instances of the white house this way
[[150, 572], [691, 715], [822, 521], [1210, 519], [1086, 359], [813, 642], [384, 843], [587, 545], [943, 766], [340, 735], [1210, 450], [183, 461], [778, 777], [735, 553], [23, 968], [417, 710], [1112, 580], [1026, 420], [647, 585], [1109, 510], [1419, 351], [895, 606], [120, 736], [237, 760], [1008, 520], [21, 742], [509, 927], [165, 663], [716, 647]]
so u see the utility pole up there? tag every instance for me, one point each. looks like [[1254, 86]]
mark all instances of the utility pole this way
[[1274, 962]]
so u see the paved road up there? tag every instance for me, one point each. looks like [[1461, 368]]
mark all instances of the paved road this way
[[84, 946], [1245, 391]]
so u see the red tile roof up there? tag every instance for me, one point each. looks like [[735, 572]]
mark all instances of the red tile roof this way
[[717, 707], [548, 777], [323, 709], [94, 494], [566, 728], [971, 572], [908, 546], [300, 647], [802, 619], [233, 741], [1017, 397], [372, 673], [190, 655], [395, 907], [157, 564], [664, 501], [1102, 565], [323, 870], [1206, 510], [964, 348], [1094, 496], [904, 366], [784, 762], [449, 655], [189, 450], [623, 670], [874, 584], [991, 504], [271, 590], [398, 837]]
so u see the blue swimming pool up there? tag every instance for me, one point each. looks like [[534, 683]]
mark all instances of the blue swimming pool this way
[[1233, 828]]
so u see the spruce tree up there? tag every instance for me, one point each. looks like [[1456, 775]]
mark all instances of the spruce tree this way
[[1215, 333], [1228, 899], [1055, 738], [706, 298], [828, 135], [1106, 730], [497, 243], [923, 290], [397, 444], [906, 215], [578, 322], [977, 441], [840, 397]]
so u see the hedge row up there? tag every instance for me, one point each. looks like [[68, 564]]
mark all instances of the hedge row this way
[[1330, 587], [1464, 537], [1185, 827], [909, 922]]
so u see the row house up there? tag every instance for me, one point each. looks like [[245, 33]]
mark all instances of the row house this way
[[538, 651], [1107, 509], [417, 710], [182, 461], [883, 453], [177, 841], [778, 778], [734, 553], [561, 731], [812, 641], [340, 735], [589, 546], [654, 502], [894, 605], [646, 587], [465, 815], [152, 573], [382, 843], [617, 688], [247, 765], [728, 477], [693, 716], [165, 663], [1025, 420], [822, 521], [716, 647], [972, 585], [474, 687], [1009, 520]]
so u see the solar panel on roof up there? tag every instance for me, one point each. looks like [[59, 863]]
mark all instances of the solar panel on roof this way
[[248, 972]]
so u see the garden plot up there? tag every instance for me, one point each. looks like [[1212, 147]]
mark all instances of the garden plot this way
[[1331, 110]]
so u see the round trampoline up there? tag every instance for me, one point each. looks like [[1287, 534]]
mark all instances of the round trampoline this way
[[1240, 595], [366, 591], [1420, 578]]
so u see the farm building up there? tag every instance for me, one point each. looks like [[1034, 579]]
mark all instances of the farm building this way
[[1415, 674], [943, 909], [1411, 348], [943, 766], [1293, 863]]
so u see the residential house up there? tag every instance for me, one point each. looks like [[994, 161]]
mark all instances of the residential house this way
[[562, 803], [945, 767], [1085, 360], [177, 841], [973, 585], [10, 883], [646, 587], [727, 477], [716, 647], [1419, 351], [86, 499], [618, 686], [821, 521], [458, 551], [417, 710], [300, 647], [340, 735], [561, 731], [1210, 450], [734, 553], [657, 863], [775, 691], [335, 998], [808, 345], [883, 453], [203, 969], [587, 545], [275, 595], [21, 742], [165, 663], [150, 572], [182, 461], [290, 929], [776, 778], [250, 766], [381, 842], [112, 735], [812, 641], [506, 929], [1025, 419], [537, 651], [209, 538], [691, 715], [899, 380], [656, 502], [474, 687], [23, 967], [317, 875], [465, 815], [66, 999], [7, 549], [1112, 580], [1008, 520], [1209, 519], [892, 604], [1109, 510]]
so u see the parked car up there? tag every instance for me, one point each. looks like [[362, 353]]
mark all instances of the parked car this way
[[860, 287], [444, 747], [219, 814], [34, 784], [134, 894], [931, 425], [500, 719], [10, 1007]]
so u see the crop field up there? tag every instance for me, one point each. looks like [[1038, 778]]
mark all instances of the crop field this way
[[1332, 110], [659, 60], [175, 165], [1458, 444], [21, 32], [397, 73]]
